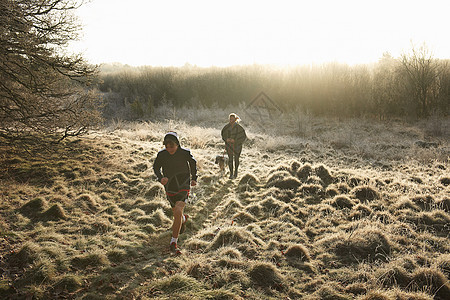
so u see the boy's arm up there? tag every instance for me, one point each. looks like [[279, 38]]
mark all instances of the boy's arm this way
[[192, 166], [157, 167]]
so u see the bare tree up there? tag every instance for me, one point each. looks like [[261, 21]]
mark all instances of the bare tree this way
[[422, 73], [43, 90]]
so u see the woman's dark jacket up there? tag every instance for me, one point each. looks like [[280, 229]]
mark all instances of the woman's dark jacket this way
[[235, 132]]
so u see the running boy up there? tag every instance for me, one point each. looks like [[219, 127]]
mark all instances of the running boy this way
[[178, 165]]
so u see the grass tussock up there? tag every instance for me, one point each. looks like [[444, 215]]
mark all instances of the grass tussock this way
[[363, 244], [365, 193], [230, 236], [265, 275]]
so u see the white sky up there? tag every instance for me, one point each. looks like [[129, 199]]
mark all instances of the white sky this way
[[236, 32]]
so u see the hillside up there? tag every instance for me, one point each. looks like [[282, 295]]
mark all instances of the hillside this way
[[321, 209]]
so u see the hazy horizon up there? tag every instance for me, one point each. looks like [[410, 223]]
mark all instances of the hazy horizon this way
[[215, 33]]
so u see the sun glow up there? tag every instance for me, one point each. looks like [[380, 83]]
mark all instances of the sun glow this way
[[224, 33]]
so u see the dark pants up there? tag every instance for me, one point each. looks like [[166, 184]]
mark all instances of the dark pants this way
[[233, 152]]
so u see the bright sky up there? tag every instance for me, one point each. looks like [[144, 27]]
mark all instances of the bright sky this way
[[241, 32]]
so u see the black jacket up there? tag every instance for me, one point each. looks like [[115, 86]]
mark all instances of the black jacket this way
[[178, 167]]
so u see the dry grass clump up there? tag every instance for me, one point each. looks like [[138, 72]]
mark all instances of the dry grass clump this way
[[444, 204], [360, 211], [87, 201], [295, 165], [176, 285], [90, 260], [445, 181], [431, 280], [315, 192], [283, 180], [155, 190], [54, 213], [159, 219], [369, 244], [342, 202], [265, 275], [394, 275], [230, 252], [231, 207], [200, 270], [244, 218], [424, 202], [33, 207], [330, 291], [283, 232], [331, 191], [235, 235], [69, 283], [406, 204], [324, 174], [304, 172], [249, 180], [365, 193], [149, 207], [297, 251], [274, 207], [27, 254]]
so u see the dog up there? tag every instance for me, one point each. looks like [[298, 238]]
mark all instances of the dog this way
[[222, 161]]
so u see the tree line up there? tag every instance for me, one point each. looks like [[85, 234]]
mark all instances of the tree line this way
[[413, 85]]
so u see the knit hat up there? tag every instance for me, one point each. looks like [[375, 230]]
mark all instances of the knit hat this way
[[171, 136]]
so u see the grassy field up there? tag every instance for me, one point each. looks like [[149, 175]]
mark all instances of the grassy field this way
[[321, 209]]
